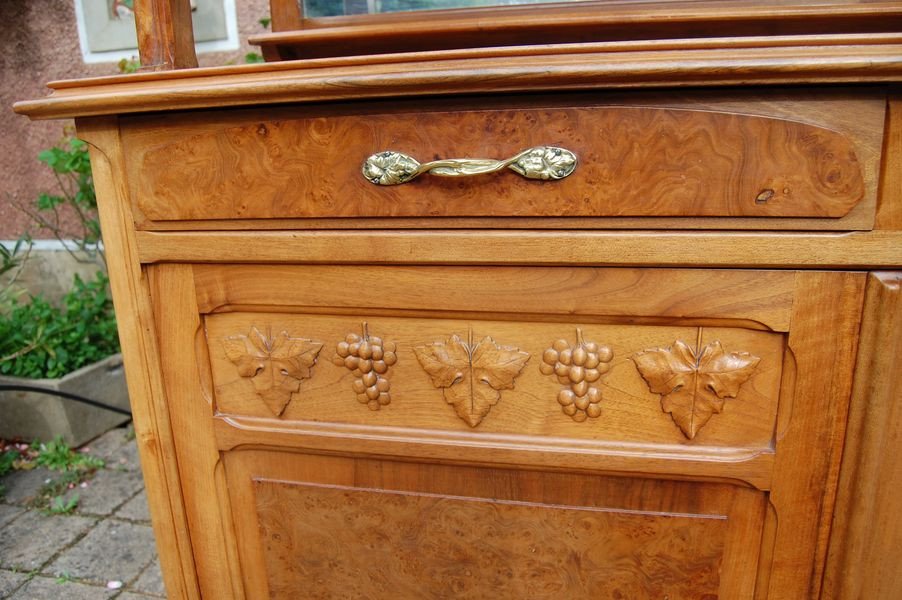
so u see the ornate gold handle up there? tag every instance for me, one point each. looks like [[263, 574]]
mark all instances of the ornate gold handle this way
[[542, 162]]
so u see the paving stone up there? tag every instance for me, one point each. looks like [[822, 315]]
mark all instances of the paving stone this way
[[106, 491], [10, 580], [114, 550], [135, 509], [8, 513], [134, 596], [47, 588], [23, 486], [126, 458], [109, 444], [151, 581], [34, 538]]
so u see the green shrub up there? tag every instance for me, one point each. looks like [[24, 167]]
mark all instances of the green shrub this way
[[39, 340]]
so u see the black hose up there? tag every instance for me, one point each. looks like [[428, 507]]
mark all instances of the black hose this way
[[66, 395]]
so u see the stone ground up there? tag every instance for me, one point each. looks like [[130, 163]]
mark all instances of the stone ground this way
[[105, 542]]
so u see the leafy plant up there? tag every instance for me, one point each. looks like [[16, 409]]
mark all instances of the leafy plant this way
[[11, 261], [64, 577], [253, 57], [57, 455], [6, 461], [71, 167], [40, 340], [129, 65], [60, 505]]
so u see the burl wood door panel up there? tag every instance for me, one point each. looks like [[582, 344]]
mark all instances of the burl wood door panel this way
[[633, 161], [327, 527]]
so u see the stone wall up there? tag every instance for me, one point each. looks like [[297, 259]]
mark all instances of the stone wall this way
[[40, 44]]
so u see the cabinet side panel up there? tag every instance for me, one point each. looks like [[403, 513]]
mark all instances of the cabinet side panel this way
[[822, 340], [134, 314], [866, 544]]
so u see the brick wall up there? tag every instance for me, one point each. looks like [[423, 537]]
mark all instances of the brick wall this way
[[40, 44]]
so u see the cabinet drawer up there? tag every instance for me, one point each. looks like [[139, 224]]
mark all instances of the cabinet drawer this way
[[697, 157]]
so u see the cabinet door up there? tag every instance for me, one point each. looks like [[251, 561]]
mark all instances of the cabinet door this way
[[433, 432]]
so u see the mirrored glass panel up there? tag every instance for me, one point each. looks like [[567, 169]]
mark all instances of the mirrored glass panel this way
[[332, 8]]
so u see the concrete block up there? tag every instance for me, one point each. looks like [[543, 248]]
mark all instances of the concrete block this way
[[10, 580], [151, 581], [114, 550], [32, 415], [135, 509], [32, 539], [47, 588]]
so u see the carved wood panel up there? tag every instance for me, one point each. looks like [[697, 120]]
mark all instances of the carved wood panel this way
[[369, 358], [488, 381], [578, 368], [471, 374], [275, 364], [694, 383]]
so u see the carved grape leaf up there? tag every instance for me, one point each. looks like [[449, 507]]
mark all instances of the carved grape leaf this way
[[471, 375], [274, 365], [694, 388]]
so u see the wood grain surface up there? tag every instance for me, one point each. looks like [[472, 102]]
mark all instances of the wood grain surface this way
[[811, 431], [464, 531], [632, 162], [858, 250], [756, 299], [531, 70], [630, 412], [165, 34], [866, 541], [140, 353], [583, 22]]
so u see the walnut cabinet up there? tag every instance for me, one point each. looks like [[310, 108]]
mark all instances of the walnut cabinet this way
[[671, 374]]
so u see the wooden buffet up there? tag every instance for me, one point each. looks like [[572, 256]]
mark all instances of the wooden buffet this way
[[669, 367]]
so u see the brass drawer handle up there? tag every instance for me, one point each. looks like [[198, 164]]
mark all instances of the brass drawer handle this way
[[541, 162]]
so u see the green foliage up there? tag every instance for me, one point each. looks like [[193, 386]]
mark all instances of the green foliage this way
[[253, 57], [12, 259], [39, 340], [6, 461], [64, 577], [265, 22], [74, 195], [72, 166], [10, 266], [56, 455], [60, 505], [129, 65]]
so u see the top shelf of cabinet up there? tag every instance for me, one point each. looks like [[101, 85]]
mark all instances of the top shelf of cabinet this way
[[299, 36]]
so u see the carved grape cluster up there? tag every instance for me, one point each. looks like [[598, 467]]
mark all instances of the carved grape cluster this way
[[369, 359], [577, 368]]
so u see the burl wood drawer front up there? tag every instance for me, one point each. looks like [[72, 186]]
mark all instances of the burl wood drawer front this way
[[738, 159], [327, 527]]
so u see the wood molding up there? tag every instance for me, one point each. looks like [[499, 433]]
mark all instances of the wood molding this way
[[532, 69], [857, 250]]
